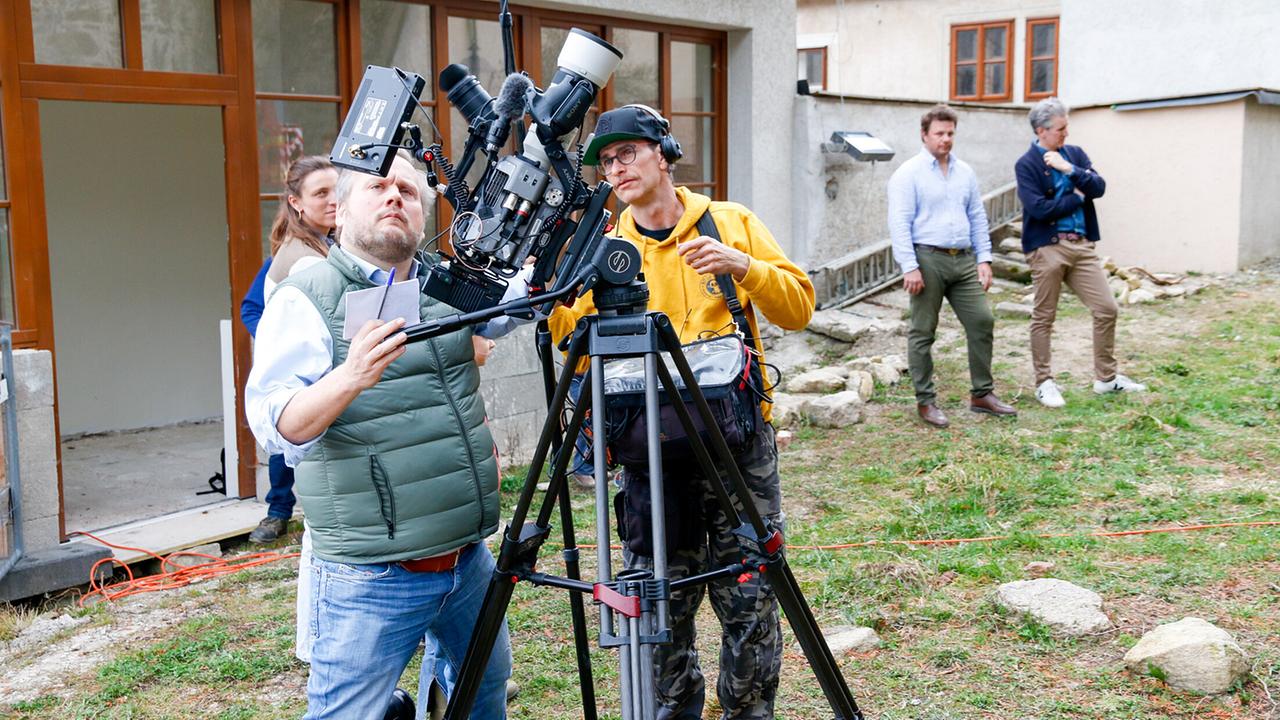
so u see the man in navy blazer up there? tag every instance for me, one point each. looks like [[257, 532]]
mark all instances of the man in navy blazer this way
[[1057, 185]]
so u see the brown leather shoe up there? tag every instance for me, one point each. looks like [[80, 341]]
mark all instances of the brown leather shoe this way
[[991, 405], [932, 415]]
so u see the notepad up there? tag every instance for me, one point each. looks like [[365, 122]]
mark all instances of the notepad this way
[[362, 306]]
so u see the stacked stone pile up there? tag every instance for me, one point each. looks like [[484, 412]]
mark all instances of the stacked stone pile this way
[[1131, 285]]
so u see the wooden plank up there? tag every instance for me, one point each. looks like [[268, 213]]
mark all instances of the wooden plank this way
[[182, 530]]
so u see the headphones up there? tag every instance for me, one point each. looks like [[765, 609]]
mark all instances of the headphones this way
[[668, 146]]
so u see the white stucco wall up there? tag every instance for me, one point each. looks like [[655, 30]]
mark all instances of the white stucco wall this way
[[902, 48], [840, 203], [137, 260], [1146, 49], [1173, 184], [1260, 184]]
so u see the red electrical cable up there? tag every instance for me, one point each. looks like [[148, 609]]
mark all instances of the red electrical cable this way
[[168, 580]]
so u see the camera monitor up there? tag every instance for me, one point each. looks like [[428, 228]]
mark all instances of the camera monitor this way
[[371, 133]]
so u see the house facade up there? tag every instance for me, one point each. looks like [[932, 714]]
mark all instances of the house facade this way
[[1178, 105], [876, 67], [1158, 90], [143, 144]]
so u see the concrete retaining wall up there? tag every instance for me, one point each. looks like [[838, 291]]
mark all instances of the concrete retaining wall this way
[[840, 204], [37, 448]]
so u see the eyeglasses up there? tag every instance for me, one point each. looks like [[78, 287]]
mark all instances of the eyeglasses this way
[[625, 156]]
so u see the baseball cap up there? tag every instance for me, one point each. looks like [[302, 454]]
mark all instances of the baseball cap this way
[[624, 123]]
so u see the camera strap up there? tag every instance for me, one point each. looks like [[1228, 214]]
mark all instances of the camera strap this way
[[728, 289]]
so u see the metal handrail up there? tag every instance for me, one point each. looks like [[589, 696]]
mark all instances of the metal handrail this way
[[14, 483], [870, 269]]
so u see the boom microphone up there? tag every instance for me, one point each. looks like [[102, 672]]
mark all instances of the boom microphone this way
[[509, 105]]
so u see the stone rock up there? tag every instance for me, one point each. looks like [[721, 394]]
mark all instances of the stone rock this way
[[852, 639], [837, 410], [1010, 269], [1010, 245], [995, 290], [788, 410], [840, 325], [1013, 309], [859, 363], [783, 438], [1190, 654], [1028, 299], [791, 353], [1066, 608], [1174, 291], [885, 374], [821, 380], [897, 362], [1141, 296], [861, 382], [1118, 286], [1038, 568], [1017, 255]]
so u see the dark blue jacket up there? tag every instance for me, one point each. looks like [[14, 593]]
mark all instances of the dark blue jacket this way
[[1040, 211], [251, 306]]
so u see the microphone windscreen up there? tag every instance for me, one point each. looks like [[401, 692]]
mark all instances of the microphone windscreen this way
[[510, 101], [452, 74]]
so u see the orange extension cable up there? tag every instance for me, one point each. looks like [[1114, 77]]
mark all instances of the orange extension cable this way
[[181, 577], [217, 567]]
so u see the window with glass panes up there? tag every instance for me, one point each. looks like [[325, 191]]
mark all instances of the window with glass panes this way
[[394, 33], [980, 61], [295, 75], [1042, 58]]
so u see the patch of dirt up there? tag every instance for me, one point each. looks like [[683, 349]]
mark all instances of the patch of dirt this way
[[72, 648]]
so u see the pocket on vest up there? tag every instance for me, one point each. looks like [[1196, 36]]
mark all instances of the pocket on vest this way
[[386, 497]]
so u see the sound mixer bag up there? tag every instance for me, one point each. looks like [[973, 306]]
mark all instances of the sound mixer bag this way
[[723, 368]]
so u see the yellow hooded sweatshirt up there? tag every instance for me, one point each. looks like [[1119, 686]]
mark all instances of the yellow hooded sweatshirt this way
[[773, 284]]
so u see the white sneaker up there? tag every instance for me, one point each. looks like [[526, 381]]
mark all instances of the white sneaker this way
[[1119, 384], [1049, 395]]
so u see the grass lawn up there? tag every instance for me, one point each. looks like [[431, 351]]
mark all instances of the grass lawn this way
[[1201, 447]]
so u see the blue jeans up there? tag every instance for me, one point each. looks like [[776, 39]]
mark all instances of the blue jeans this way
[[280, 498], [367, 621]]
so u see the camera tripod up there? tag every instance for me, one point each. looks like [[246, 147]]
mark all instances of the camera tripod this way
[[633, 604]]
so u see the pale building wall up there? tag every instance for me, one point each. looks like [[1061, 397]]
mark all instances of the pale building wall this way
[[137, 261], [902, 49], [1147, 49], [841, 204], [1260, 184], [1173, 184]]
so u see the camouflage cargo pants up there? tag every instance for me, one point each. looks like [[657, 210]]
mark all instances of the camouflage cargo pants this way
[[751, 638]]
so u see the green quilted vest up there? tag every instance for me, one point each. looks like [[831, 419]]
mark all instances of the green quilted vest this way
[[408, 470]]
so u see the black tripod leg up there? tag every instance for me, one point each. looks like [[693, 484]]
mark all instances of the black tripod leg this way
[[519, 544], [572, 569], [777, 572]]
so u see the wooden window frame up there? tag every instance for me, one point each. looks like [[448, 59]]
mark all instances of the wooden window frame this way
[[981, 61], [1027, 93], [822, 50]]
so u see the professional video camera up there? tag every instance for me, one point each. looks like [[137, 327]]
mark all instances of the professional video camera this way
[[522, 203]]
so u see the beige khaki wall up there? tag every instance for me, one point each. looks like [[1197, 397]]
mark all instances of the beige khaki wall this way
[[1173, 184], [901, 49], [1133, 50], [1260, 184]]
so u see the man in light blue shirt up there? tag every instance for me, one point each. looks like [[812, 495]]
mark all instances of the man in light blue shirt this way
[[941, 241]]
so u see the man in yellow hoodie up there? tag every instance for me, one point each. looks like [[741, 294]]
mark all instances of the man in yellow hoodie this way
[[635, 151]]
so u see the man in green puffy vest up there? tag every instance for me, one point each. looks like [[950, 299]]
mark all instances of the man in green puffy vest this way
[[396, 469]]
